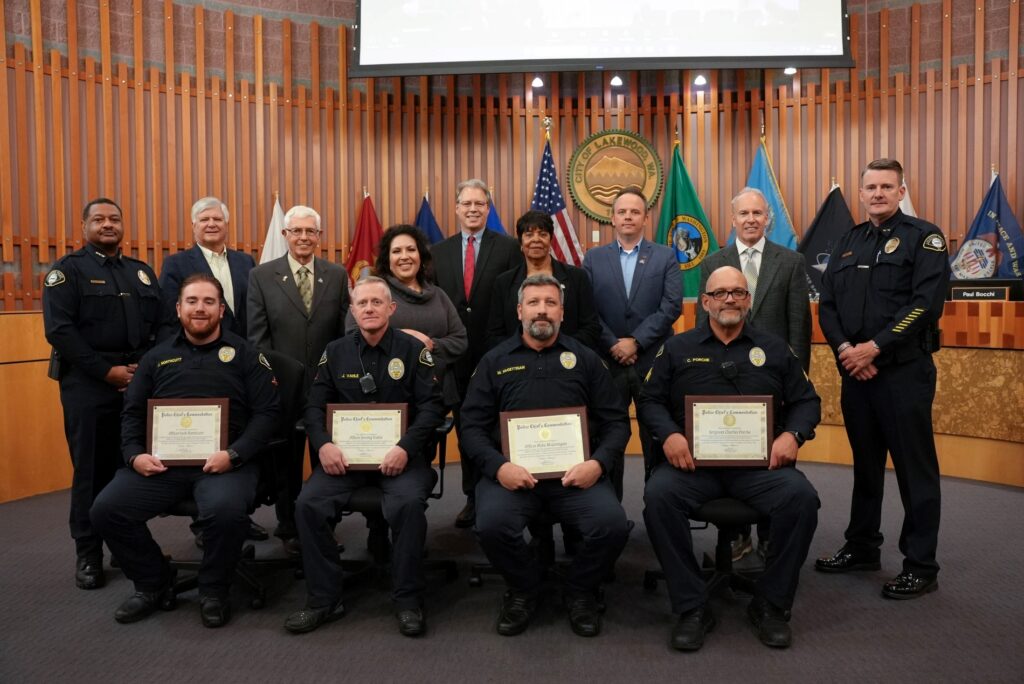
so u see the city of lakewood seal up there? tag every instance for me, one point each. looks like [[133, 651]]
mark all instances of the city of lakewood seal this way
[[608, 162]]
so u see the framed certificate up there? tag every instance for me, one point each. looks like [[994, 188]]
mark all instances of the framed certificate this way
[[366, 432], [547, 442], [186, 431], [729, 431]]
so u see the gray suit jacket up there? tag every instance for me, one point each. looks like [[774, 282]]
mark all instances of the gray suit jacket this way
[[655, 297], [781, 304], [278, 320]]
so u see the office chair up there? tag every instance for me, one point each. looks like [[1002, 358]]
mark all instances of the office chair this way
[[289, 374]]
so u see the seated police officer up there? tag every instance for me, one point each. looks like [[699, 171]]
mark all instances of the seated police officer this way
[[202, 360], [541, 369], [728, 356], [373, 364]]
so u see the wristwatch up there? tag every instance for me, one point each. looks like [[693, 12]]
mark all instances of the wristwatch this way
[[236, 460], [800, 439]]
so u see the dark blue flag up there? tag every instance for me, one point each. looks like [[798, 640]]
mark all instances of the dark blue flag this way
[[832, 220], [994, 246], [426, 222], [494, 221]]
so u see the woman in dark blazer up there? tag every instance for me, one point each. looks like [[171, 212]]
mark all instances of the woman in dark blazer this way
[[535, 231]]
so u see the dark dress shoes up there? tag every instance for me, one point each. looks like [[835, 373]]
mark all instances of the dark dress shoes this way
[[308, 619], [467, 516], [584, 615], [517, 609], [845, 560], [89, 573], [142, 604], [256, 532], [908, 585], [688, 633], [411, 622], [770, 622], [215, 611]]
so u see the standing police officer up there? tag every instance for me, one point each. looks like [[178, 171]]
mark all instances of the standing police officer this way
[[101, 310], [882, 296], [542, 369]]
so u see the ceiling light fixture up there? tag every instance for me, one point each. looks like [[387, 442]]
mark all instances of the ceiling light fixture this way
[[538, 82], [789, 71], [700, 80], [616, 81]]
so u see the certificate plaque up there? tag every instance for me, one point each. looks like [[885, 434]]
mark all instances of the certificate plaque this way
[[186, 431], [547, 442], [729, 431], [366, 432]]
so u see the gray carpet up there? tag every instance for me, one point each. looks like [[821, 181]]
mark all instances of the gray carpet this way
[[970, 630]]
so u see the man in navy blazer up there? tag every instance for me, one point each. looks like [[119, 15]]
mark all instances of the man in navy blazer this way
[[209, 255], [493, 254], [638, 293]]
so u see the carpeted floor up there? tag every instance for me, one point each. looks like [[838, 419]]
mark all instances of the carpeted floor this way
[[968, 631]]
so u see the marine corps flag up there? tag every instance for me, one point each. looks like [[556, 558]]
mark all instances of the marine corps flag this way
[[994, 246], [683, 225], [832, 220], [366, 242]]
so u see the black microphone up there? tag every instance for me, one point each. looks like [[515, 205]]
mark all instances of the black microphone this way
[[729, 370]]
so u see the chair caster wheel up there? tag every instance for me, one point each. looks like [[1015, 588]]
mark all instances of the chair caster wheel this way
[[476, 581]]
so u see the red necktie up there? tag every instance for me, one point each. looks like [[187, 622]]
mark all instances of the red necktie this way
[[470, 266]]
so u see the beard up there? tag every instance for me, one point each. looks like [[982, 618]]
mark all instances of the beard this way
[[542, 329], [728, 318]]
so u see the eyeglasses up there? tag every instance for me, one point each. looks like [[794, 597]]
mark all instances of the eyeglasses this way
[[303, 232], [468, 204], [739, 294]]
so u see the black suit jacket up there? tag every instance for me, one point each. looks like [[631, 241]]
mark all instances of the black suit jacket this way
[[181, 265], [278, 320], [579, 318], [499, 253]]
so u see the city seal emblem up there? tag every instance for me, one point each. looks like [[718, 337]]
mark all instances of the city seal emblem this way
[[610, 161]]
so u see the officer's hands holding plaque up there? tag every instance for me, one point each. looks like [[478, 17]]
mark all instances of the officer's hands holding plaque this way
[[186, 431], [729, 431], [365, 437], [548, 443]]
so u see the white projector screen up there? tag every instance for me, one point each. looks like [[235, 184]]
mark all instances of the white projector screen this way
[[416, 37]]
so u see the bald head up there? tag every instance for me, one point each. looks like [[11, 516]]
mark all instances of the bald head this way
[[726, 299]]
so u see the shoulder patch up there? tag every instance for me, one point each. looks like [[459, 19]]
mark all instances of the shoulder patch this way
[[265, 363], [425, 358], [54, 278], [144, 277], [935, 243], [323, 359]]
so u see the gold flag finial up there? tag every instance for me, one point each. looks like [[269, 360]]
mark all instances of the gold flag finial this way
[[547, 122]]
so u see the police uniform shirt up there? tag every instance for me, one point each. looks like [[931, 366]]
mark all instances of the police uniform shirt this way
[[887, 284], [100, 311], [403, 373], [696, 362], [229, 367], [513, 377]]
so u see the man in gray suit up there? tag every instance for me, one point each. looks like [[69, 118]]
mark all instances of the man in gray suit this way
[[638, 293], [777, 282], [296, 305]]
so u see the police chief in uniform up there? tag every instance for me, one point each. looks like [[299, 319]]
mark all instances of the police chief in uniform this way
[[726, 355], [881, 299], [200, 361], [101, 311], [373, 364], [541, 369]]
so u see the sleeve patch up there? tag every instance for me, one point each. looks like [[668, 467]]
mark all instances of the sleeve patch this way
[[935, 243], [323, 359], [425, 358], [55, 278]]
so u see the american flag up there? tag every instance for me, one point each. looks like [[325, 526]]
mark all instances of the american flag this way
[[547, 197]]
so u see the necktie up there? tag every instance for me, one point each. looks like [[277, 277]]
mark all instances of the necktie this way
[[750, 271], [305, 288], [129, 300], [221, 271], [469, 268]]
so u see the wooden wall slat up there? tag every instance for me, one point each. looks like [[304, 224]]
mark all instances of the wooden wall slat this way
[[245, 210], [961, 157], [230, 144], [124, 165], [344, 180], [995, 112], [930, 144], [91, 129], [262, 196], [57, 137], [74, 125], [202, 103], [42, 159], [314, 114], [155, 157], [946, 200], [331, 190], [6, 180], [1013, 90], [217, 153], [109, 168], [170, 186], [883, 84], [22, 234], [287, 184], [979, 184], [188, 194], [141, 223]]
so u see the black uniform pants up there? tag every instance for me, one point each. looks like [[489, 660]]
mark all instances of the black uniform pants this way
[[404, 505], [502, 515], [92, 426], [224, 501], [629, 381], [784, 495], [892, 413]]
